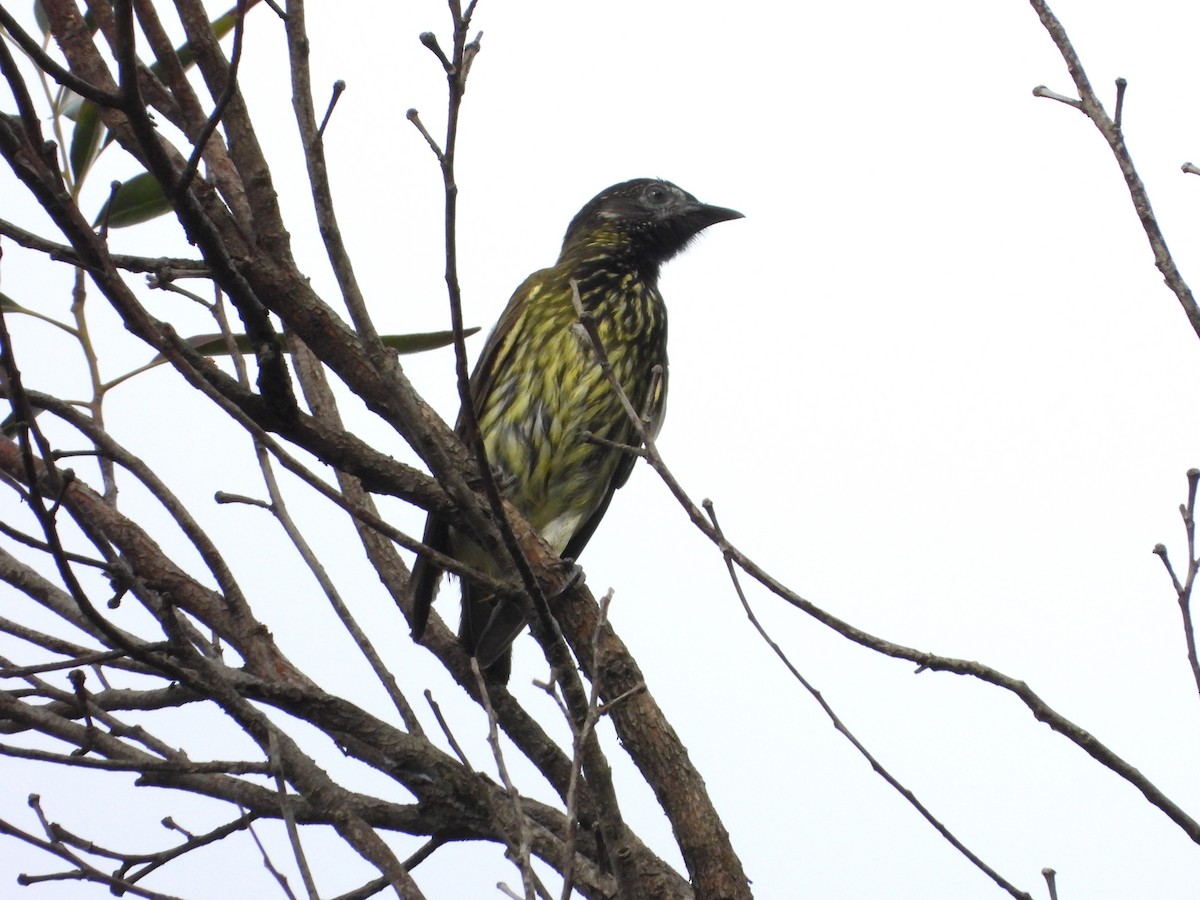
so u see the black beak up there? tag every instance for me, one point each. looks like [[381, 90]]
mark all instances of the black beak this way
[[679, 227], [701, 215]]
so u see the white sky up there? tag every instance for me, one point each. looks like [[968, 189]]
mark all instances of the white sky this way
[[932, 381]]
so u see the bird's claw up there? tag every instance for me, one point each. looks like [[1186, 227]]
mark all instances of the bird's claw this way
[[505, 480], [575, 577]]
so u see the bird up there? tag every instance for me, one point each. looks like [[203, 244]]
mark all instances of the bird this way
[[540, 394]]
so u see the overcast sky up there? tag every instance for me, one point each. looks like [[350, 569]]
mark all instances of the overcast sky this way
[[932, 382]]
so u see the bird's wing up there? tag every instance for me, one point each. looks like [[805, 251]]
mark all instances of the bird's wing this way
[[500, 343], [656, 407]]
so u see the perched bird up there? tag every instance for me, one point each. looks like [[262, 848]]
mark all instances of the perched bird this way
[[538, 388]]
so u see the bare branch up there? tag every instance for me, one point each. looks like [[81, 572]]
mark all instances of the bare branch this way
[[841, 728], [1090, 105], [1040, 709]]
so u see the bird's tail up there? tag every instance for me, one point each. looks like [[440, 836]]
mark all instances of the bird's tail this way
[[487, 632], [487, 629], [423, 584]]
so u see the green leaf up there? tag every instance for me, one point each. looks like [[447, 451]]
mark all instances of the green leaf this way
[[85, 140], [89, 130], [418, 343], [9, 305], [137, 200], [70, 104], [215, 345], [9, 428]]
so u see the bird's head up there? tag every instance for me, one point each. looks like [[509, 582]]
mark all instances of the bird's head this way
[[649, 219]]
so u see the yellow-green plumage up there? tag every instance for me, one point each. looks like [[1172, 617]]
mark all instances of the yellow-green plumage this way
[[549, 393], [539, 390]]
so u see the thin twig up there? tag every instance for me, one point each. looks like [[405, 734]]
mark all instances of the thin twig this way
[[1090, 105], [30, 541], [441, 720], [210, 126], [554, 644], [1042, 711], [456, 76], [524, 839], [1183, 592], [84, 871], [339, 87], [289, 818], [167, 766], [1051, 885], [841, 728], [579, 735], [176, 266], [278, 508], [85, 660], [289, 462], [322, 193], [279, 877], [152, 862], [415, 117], [49, 65], [1042, 91]]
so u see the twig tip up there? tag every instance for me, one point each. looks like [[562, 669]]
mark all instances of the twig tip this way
[[1042, 91]]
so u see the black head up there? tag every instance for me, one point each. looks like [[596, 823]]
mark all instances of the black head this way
[[650, 218]]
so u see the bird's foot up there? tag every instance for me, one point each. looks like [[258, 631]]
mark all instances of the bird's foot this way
[[575, 577], [505, 481]]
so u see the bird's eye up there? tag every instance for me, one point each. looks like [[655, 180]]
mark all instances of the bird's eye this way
[[657, 195]]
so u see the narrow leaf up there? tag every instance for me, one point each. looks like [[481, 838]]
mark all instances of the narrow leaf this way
[[214, 344], [9, 305], [418, 343], [85, 140], [139, 199]]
